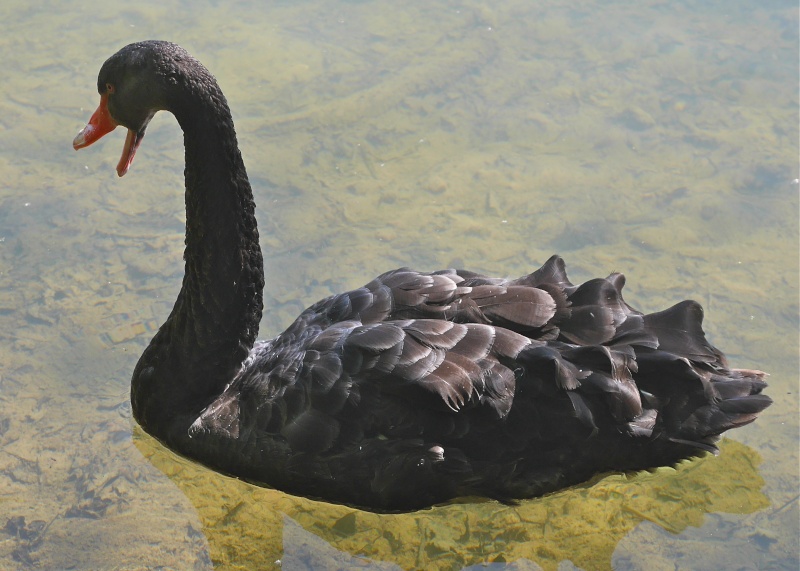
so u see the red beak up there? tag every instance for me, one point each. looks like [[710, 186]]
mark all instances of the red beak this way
[[101, 124]]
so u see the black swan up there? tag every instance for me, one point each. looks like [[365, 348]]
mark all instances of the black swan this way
[[418, 387]]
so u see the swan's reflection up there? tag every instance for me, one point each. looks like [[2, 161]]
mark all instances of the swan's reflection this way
[[257, 528]]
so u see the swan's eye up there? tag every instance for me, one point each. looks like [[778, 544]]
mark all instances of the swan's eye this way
[[109, 88]]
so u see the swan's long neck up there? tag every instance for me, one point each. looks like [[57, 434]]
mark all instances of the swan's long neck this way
[[215, 319]]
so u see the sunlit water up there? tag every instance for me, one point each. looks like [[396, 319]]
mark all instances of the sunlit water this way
[[658, 139]]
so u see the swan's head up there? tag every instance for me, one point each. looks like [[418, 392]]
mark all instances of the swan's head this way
[[133, 85]]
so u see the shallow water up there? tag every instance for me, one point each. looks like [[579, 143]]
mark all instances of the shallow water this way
[[657, 139]]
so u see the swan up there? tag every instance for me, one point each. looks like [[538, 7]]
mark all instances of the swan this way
[[419, 387]]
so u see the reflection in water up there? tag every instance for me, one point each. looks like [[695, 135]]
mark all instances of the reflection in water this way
[[253, 528]]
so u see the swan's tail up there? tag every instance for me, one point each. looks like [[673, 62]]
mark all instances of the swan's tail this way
[[652, 376], [700, 396], [717, 402]]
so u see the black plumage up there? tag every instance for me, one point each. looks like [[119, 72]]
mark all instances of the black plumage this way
[[418, 387]]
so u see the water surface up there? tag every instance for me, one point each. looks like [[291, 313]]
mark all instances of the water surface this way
[[657, 139]]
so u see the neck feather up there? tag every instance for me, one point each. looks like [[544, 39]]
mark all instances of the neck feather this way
[[215, 319]]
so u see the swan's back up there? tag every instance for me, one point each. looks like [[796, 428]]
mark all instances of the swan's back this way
[[421, 387]]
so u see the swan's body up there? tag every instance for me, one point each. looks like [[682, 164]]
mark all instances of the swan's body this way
[[418, 387]]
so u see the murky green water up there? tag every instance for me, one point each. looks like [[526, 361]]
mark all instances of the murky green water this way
[[659, 139]]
